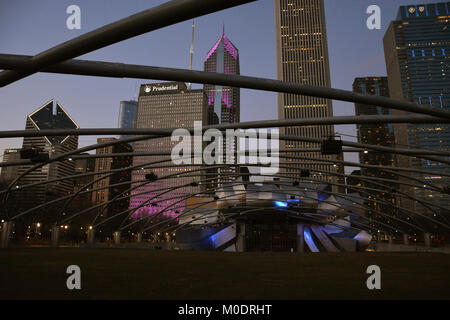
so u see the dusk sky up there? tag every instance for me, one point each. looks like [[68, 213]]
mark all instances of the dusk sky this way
[[29, 27]]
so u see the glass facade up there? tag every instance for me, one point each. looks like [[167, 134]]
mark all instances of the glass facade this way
[[127, 116], [52, 116], [416, 50]]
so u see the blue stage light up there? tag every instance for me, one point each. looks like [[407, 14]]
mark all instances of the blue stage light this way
[[280, 204]]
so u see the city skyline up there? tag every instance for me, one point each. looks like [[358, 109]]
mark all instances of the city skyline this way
[[124, 188], [173, 51]]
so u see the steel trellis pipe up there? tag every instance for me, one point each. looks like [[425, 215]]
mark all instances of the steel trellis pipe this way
[[120, 70], [325, 201], [283, 156], [346, 163], [171, 188], [168, 132], [109, 174], [164, 15], [62, 156], [370, 179], [137, 154], [163, 189], [129, 196], [115, 142], [337, 120]]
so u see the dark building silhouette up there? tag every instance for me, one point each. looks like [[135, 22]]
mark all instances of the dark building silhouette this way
[[10, 173], [42, 184], [376, 134], [82, 183], [123, 178], [50, 116]]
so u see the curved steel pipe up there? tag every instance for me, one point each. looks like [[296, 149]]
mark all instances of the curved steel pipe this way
[[120, 70]]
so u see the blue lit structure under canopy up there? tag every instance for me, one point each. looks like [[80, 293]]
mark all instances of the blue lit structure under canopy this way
[[276, 216]]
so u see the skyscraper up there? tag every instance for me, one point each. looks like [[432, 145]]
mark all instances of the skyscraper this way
[[302, 57], [375, 134], [83, 200], [10, 173], [223, 101], [161, 106], [50, 116], [417, 46], [127, 116], [380, 134], [107, 164]]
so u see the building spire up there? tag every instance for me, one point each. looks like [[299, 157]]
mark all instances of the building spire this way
[[223, 29], [191, 52]]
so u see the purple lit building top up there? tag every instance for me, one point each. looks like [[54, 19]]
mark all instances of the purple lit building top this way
[[228, 46], [223, 102]]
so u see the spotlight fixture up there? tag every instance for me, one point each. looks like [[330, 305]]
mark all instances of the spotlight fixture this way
[[151, 176], [29, 153], [34, 154], [447, 189], [331, 146], [304, 173]]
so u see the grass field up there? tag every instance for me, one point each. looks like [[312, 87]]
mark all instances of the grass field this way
[[40, 273]]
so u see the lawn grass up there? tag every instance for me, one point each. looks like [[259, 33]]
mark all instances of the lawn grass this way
[[40, 273]]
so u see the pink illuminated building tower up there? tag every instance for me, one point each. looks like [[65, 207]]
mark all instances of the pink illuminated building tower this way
[[223, 102], [164, 105]]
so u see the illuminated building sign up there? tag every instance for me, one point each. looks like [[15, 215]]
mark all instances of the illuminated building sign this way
[[161, 88]]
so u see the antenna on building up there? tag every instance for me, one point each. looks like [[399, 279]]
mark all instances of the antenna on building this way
[[191, 52], [54, 107], [136, 90]]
